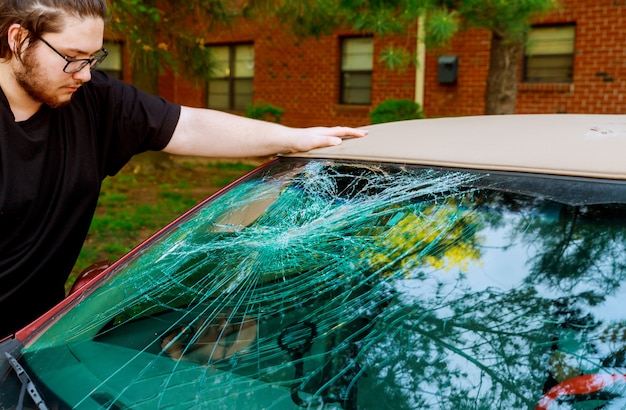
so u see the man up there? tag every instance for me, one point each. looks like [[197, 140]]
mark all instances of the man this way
[[64, 128]]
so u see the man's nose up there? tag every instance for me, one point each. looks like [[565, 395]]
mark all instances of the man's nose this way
[[84, 74]]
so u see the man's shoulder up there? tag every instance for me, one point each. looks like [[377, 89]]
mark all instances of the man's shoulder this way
[[111, 88], [102, 80], [106, 91]]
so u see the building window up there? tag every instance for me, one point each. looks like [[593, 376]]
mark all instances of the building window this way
[[549, 54], [357, 56], [112, 65], [230, 87]]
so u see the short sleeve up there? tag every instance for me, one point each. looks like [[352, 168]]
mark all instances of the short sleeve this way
[[130, 121]]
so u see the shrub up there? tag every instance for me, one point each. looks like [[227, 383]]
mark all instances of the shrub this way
[[396, 110], [265, 112]]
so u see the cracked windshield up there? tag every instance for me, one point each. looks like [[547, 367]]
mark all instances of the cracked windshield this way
[[348, 286]]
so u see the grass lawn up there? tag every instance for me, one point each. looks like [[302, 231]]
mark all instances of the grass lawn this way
[[148, 193]]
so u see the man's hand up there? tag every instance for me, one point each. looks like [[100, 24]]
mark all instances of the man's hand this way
[[306, 139]]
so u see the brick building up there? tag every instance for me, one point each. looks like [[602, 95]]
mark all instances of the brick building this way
[[575, 63]]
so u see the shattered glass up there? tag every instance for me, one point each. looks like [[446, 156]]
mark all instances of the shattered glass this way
[[336, 285]]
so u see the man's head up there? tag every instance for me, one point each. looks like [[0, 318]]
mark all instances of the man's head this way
[[40, 41], [39, 17]]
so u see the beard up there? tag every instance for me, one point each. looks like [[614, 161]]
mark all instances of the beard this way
[[33, 81]]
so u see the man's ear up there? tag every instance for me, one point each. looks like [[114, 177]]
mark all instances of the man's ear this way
[[16, 37]]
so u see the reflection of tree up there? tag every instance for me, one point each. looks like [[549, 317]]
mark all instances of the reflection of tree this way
[[584, 244], [442, 344], [445, 349], [445, 344], [581, 253], [487, 349]]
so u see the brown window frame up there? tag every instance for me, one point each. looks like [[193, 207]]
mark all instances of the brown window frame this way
[[352, 94], [552, 60], [232, 95]]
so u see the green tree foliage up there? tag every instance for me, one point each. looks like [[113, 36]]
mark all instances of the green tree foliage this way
[[172, 33], [169, 34], [508, 21]]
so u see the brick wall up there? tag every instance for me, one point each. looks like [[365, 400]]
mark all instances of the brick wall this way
[[302, 75], [467, 96], [599, 67]]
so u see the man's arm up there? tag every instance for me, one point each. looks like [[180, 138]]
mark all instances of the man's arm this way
[[211, 133]]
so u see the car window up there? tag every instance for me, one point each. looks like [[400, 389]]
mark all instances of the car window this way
[[325, 284]]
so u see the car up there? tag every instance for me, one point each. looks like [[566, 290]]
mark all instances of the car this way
[[469, 262]]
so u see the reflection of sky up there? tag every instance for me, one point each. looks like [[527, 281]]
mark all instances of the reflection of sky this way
[[501, 266], [613, 308], [504, 265]]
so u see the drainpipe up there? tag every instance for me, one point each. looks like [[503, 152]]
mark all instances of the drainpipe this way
[[420, 68]]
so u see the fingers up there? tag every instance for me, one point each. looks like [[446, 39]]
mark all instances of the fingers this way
[[348, 132], [336, 135], [330, 141], [306, 139]]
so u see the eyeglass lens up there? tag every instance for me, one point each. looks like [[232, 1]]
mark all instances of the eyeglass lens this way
[[75, 66]]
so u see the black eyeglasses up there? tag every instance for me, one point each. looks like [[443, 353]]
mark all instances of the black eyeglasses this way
[[75, 65]]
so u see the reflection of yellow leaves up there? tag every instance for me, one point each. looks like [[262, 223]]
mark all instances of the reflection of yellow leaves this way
[[460, 255], [561, 368], [442, 236], [614, 334]]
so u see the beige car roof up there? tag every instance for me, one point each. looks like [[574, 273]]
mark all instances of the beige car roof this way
[[563, 144]]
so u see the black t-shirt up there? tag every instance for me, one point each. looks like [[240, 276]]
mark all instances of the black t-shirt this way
[[51, 169]]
